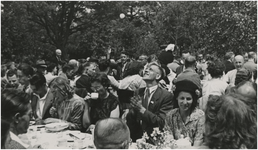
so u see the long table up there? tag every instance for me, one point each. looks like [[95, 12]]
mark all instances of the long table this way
[[38, 137]]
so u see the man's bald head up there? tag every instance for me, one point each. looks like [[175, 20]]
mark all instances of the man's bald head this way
[[247, 89], [239, 61], [111, 133], [190, 61], [58, 52]]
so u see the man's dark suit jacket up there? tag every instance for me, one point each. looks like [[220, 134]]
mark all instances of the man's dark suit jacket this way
[[46, 108], [154, 116], [229, 66], [179, 69]]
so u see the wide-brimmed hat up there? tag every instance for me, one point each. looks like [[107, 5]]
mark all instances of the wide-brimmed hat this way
[[41, 63]]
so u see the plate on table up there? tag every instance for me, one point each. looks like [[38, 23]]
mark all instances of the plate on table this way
[[55, 127]]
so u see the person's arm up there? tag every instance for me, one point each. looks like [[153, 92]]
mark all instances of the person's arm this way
[[86, 116], [113, 81], [115, 113], [158, 118]]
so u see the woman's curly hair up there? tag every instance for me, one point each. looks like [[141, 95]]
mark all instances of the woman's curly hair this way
[[230, 123], [216, 68]]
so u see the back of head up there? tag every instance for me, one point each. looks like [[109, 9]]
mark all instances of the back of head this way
[[101, 78], [73, 63], [26, 69], [38, 80], [104, 64], [67, 67], [111, 133], [133, 68], [63, 85], [152, 58], [190, 61], [228, 55], [12, 102], [216, 69], [252, 55], [242, 75], [51, 67], [230, 123], [247, 89]]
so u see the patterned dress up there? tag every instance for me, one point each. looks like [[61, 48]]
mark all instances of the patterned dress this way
[[72, 111], [101, 109], [193, 127]]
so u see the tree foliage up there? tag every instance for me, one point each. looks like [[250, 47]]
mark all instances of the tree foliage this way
[[85, 28]]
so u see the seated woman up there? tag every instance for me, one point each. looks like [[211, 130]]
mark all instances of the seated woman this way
[[185, 119], [16, 110], [67, 106], [230, 123], [106, 105]]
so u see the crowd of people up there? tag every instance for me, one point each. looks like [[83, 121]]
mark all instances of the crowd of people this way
[[208, 100]]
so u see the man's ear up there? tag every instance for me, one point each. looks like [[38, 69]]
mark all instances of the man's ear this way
[[158, 76], [16, 117]]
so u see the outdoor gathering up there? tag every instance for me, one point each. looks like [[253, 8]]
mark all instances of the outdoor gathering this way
[[128, 74]]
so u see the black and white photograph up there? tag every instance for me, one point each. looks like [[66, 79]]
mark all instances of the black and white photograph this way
[[129, 74]]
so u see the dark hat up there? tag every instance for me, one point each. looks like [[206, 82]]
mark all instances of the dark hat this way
[[189, 81], [189, 76], [187, 86], [166, 57], [41, 63]]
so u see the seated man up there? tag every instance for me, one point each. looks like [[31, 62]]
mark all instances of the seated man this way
[[111, 133]]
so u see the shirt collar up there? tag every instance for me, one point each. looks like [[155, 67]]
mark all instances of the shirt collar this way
[[17, 139], [153, 88]]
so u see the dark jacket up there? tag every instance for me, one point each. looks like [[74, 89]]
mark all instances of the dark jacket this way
[[154, 116]]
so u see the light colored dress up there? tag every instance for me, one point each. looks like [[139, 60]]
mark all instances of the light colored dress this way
[[192, 128]]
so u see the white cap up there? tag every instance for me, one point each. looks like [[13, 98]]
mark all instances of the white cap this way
[[170, 47]]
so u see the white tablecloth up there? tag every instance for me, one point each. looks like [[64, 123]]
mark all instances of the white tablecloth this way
[[57, 140], [36, 137]]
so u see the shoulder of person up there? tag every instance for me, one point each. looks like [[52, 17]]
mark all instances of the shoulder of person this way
[[173, 112], [197, 114]]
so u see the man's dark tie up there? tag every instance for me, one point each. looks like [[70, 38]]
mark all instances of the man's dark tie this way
[[146, 98]]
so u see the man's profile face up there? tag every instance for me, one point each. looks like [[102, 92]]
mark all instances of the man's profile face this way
[[152, 72]]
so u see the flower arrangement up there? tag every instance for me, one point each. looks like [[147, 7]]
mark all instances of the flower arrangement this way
[[156, 140]]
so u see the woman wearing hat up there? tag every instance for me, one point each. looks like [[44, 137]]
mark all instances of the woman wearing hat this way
[[185, 120]]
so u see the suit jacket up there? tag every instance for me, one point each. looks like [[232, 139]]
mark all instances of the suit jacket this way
[[160, 104], [48, 104], [179, 69], [229, 66]]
